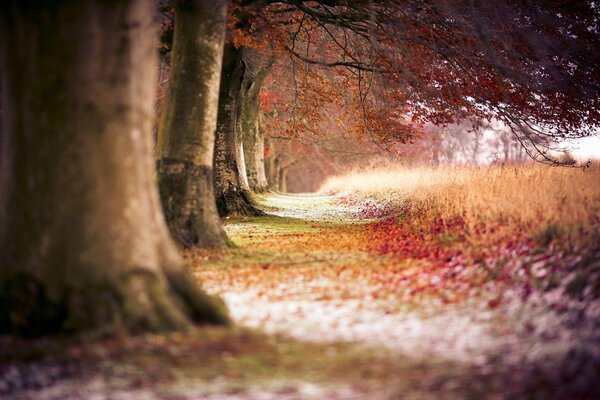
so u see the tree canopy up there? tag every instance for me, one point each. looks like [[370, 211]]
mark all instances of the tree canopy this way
[[529, 64]]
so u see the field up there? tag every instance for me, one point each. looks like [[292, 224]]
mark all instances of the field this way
[[397, 283]]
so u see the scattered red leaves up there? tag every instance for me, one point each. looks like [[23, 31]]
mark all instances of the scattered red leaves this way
[[406, 258], [390, 237]]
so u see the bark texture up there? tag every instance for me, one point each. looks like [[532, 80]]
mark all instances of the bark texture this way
[[256, 69], [274, 168], [83, 241], [282, 181], [269, 164], [231, 185], [187, 129]]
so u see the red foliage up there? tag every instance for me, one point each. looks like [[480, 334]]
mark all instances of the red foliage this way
[[388, 237]]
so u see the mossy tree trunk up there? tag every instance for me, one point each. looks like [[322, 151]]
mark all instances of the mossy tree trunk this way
[[257, 67], [231, 187], [83, 241], [187, 129]]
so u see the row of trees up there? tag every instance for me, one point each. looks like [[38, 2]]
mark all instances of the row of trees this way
[[86, 238]]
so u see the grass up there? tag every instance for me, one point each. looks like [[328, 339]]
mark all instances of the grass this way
[[539, 200]]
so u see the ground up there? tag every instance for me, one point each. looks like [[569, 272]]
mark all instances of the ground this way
[[330, 304]]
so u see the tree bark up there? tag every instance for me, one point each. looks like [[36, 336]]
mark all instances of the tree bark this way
[[270, 157], [84, 244], [283, 180], [257, 67], [274, 171], [187, 128], [232, 191]]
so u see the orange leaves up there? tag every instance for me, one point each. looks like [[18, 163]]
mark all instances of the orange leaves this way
[[268, 100], [415, 253], [434, 270]]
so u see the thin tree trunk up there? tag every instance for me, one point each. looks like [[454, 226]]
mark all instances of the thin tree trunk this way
[[276, 173], [187, 129], [83, 241], [283, 180], [233, 196], [257, 68], [269, 163]]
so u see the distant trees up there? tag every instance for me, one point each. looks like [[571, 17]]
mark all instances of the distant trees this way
[[475, 142]]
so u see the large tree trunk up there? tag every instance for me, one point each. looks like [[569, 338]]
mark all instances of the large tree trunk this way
[[187, 129], [257, 68], [254, 153], [232, 192], [84, 244]]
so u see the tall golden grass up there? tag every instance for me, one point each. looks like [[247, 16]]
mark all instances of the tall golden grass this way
[[526, 198]]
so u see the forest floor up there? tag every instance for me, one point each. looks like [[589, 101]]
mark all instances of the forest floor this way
[[335, 297]]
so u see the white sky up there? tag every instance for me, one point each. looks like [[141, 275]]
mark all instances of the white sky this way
[[587, 148]]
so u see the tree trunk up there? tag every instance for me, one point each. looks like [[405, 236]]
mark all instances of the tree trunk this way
[[233, 196], [257, 68], [84, 244], [283, 180], [269, 163], [187, 129], [275, 170]]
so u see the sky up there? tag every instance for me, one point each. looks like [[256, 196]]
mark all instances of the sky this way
[[586, 148]]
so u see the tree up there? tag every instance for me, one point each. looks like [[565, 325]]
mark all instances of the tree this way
[[84, 244], [231, 182], [187, 128], [257, 67], [527, 64]]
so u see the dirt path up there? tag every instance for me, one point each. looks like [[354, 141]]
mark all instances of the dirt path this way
[[310, 207], [320, 316], [297, 305], [303, 274]]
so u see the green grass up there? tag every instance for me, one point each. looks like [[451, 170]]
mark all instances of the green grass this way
[[246, 231]]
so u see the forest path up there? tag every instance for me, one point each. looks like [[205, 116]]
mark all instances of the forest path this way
[[308, 271], [310, 207], [322, 313], [303, 272]]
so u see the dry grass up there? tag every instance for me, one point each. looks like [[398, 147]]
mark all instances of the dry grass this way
[[529, 198]]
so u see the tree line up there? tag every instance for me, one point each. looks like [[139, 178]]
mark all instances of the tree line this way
[[92, 209]]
